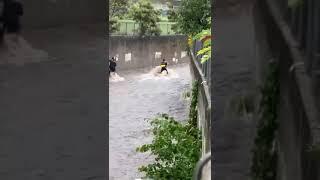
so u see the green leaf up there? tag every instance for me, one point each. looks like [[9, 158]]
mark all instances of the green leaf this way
[[204, 51]]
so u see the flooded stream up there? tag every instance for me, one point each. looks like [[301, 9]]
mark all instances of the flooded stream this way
[[134, 99]]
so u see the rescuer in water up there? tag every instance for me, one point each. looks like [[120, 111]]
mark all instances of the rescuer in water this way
[[112, 65], [163, 66]]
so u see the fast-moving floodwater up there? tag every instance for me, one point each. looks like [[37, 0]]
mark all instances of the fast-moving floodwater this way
[[139, 96]]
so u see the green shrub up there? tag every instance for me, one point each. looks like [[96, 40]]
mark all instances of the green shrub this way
[[176, 147], [264, 160]]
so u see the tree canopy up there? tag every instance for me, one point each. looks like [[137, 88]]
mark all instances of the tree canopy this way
[[192, 16], [146, 16]]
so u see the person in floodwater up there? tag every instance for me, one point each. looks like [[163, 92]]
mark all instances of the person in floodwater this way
[[163, 66], [112, 65]]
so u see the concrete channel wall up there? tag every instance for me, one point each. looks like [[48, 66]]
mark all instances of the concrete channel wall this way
[[204, 111], [135, 52], [51, 13], [298, 113]]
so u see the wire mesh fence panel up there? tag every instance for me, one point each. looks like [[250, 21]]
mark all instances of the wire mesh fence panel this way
[[130, 28]]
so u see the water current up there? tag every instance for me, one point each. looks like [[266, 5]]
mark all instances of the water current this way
[[135, 97]]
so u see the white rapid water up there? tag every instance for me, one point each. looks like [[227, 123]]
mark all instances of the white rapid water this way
[[114, 77], [154, 74]]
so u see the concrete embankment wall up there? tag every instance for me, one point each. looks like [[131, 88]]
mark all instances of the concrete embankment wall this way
[[138, 52], [298, 114], [51, 13], [204, 110]]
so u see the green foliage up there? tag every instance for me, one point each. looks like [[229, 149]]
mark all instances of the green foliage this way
[[192, 16], [146, 16], [264, 161], [176, 147], [114, 25], [193, 112], [205, 37], [186, 95], [117, 10], [172, 14], [295, 3]]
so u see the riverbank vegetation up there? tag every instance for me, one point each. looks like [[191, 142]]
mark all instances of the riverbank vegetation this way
[[264, 161], [175, 145]]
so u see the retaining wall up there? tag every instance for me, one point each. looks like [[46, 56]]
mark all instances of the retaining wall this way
[[134, 52]]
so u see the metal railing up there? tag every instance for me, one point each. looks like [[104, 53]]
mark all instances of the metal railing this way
[[205, 67], [304, 23], [204, 161], [130, 28]]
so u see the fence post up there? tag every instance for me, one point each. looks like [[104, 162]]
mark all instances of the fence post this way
[[316, 38], [309, 38], [126, 28], [134, 28]]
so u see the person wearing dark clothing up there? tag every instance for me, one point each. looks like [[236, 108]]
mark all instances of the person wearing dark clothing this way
[[12, 14], [163, 66], [112, 65]]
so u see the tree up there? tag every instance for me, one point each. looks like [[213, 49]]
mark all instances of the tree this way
[[192, 16], [117, 10], [146, 16]]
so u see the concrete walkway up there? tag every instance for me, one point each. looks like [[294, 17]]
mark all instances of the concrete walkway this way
[[52, 111]]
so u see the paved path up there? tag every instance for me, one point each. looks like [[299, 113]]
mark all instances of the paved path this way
[[53, 112]]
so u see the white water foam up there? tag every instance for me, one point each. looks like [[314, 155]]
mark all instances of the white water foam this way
[[114, 77], [155, 74]]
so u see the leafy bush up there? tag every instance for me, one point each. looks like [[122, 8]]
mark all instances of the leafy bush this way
[[205, 51], [193, 112], [176, 145], [264, 154], [177, 149], [192, 16]]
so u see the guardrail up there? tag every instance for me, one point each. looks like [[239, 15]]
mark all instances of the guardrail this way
[[204, 161], [205, 67]]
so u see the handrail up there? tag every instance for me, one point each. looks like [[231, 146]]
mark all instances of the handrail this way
[[203, 161]]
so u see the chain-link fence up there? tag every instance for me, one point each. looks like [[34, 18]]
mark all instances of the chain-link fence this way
[[304, 22], [130, 28]]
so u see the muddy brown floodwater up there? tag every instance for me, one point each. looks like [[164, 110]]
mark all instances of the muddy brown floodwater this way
[[141, 96]]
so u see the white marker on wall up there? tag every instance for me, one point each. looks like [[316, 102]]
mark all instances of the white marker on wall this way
[[127, 57], [175, 60], [157, 55], [117, 57], [183, 54], [175, 54]]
